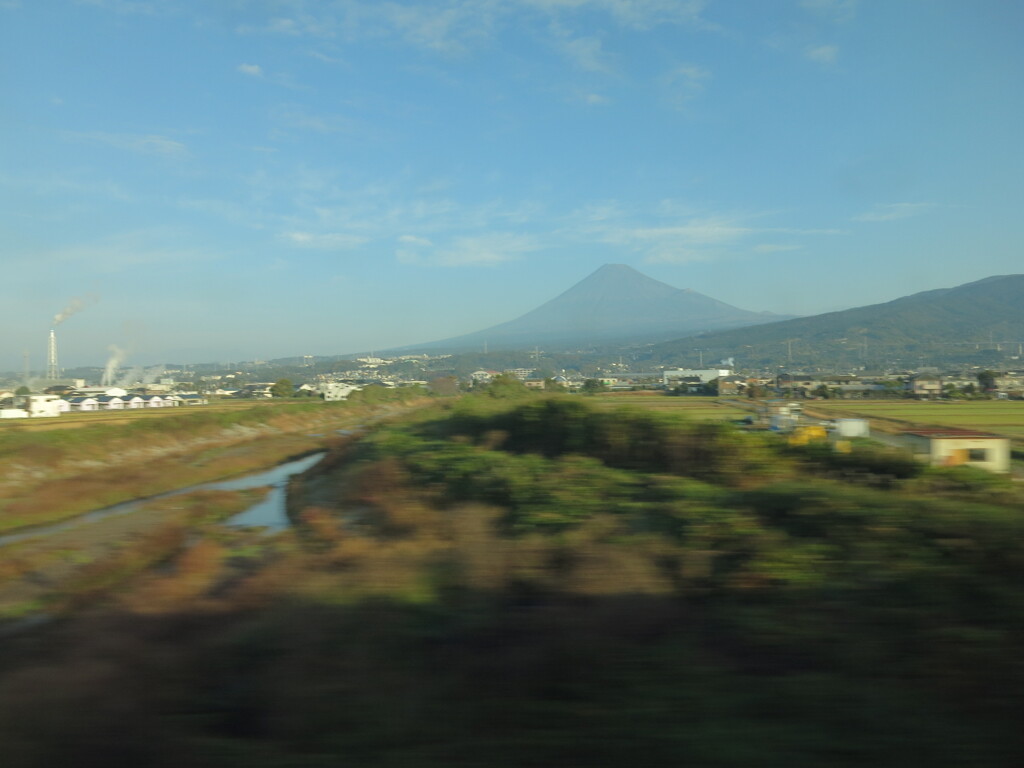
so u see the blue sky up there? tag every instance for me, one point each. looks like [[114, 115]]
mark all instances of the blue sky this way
[[246, 179]]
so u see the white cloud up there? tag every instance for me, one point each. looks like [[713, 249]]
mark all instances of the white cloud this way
[[639, 14], [296, 117], [835, 10], [415, 241], [148, 145], [330, 241], [284, 26], [450, 28], [676, 255], [672, 232], [125, 6], [695, 232], [894, 211], [321, 56], [775, 248], [685, 83], [455, 27], [38, 184], [123, 252], [253, 70], [823, 54], [586, 53], [228, 210], [484, 250]]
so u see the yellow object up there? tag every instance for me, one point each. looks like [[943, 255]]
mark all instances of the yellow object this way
[[843, 446], [805, 435]]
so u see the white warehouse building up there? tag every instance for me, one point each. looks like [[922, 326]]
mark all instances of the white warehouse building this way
[[704, 375]]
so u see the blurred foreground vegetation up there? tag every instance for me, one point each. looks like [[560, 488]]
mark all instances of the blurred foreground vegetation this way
[[534, 582]]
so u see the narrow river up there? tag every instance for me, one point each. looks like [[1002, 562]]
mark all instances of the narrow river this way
[[270, 512]]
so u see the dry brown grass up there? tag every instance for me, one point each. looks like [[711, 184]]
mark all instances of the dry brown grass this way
[[193, 574]]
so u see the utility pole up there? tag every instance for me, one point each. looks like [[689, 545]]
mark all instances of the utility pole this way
[[789, 348]]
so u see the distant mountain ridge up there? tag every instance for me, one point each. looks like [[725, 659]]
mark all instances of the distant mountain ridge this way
[[977, 312], [615, 304]]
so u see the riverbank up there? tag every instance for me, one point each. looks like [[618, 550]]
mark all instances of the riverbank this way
[[56, 570], [54, 475]]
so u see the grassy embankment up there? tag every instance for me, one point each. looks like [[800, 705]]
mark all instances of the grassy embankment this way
[[57, 473], [546, 583], [68, 569], [52, 472]]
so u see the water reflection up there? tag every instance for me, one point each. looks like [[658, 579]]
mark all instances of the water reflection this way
[[269, 512]]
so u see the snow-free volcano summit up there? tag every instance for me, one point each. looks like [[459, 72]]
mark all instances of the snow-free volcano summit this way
[[615, 304]]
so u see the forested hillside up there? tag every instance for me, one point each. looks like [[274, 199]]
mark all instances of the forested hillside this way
[[941, 324]]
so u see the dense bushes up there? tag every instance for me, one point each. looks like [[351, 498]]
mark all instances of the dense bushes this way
[[540, 583]]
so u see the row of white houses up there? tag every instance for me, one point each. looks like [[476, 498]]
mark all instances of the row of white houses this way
[[116, 403]]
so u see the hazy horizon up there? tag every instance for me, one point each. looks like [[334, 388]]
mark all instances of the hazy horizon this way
[[276, 178]]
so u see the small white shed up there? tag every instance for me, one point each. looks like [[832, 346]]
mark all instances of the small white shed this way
[[948, 447]]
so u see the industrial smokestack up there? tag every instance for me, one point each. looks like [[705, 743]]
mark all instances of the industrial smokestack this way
[[52, 371]]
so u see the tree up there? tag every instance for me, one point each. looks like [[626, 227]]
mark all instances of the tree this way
[[23, 390], [987, 380], [445, 386], [593, 386], [504, 385], [283, 388]]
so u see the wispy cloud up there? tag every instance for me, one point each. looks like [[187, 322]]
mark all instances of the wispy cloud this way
[[671, 232], [151, 144], [256, 71], [456, 27], [639, 14], [484, 250], [823, 54], [413, 240], [122, 252], [126, 6], [586, 53], [291, 116], [228, 210], [894, 211], [685, 83], [44, 185], [329, 241], [775, 248], [696, 232], [676, 254], [449, 28], [326, 59], [834, 10]]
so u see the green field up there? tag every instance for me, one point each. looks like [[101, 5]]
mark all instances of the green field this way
[[1004, 417], [699, 408]]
